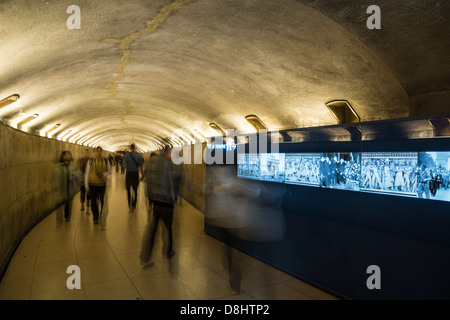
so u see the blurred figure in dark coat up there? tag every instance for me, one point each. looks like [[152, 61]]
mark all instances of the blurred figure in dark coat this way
[[67, 180], [159, 180]]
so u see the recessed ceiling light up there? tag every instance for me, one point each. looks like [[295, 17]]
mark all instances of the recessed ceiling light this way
[[217, 128], [56, 126], [343, 111], [27, 119], [256, 122], [7, 101]]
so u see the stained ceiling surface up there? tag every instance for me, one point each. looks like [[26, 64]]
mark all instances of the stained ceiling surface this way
[[138, 71]]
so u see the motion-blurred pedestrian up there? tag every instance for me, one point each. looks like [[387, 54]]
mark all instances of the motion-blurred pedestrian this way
[[97, 172], [159, 181], [133, 162], [67, 180], [177, 175], [84, 196]]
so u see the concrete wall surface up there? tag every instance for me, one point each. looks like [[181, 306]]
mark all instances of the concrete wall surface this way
[[27, 192]]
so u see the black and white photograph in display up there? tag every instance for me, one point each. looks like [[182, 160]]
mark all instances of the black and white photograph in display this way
[[340, 170], [390, 172], [248, 166], [413, 174], [272, 166], [433, 175], [302, 168]]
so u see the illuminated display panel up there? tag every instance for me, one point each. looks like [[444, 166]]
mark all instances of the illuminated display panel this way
[[340, 170], [390, 172], [272, 166], [248, 166], [412, 174], [302, 168], [433, 175]]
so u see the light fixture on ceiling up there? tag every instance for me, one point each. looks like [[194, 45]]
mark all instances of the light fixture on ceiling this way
[[65, 135], [217, 128], [175, 142], [441, 126], [167, 142], [90, 142], [27, 119], [71, 140], [56, 126], [186, 138], [343, 111], [81, 141], [256, 122], [199, 134], [7, 101]]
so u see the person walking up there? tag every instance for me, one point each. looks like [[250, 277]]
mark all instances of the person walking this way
[[84, 196], [97, 172], [160, 196], [133, 162], [117, 160], [122, 168], [177, 175], [67, 181]]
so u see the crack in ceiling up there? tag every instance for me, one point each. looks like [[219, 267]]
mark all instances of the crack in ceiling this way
[[124, 46]]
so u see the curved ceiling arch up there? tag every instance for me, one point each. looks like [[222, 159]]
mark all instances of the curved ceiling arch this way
[[130, 138], [169, 64], [108, 121]]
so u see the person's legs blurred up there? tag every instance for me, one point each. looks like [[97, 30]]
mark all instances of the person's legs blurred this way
[[68, 209], [134, 198], [103, 206], [166, 212], [128, 186], [232, 265], [82, 195], [132, 182], [148, 237], [94, 193]]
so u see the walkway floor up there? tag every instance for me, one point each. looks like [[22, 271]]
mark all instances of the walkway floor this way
[[110, 267]]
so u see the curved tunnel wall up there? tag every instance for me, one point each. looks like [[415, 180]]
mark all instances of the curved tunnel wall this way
[[26, 192]]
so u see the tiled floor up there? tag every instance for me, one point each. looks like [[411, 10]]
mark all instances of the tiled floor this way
[[110, 267]]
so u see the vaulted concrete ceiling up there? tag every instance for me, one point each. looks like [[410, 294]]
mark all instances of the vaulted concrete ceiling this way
[[138, 70]]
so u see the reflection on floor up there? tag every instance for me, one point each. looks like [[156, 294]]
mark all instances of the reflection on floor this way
[[110, 268]]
